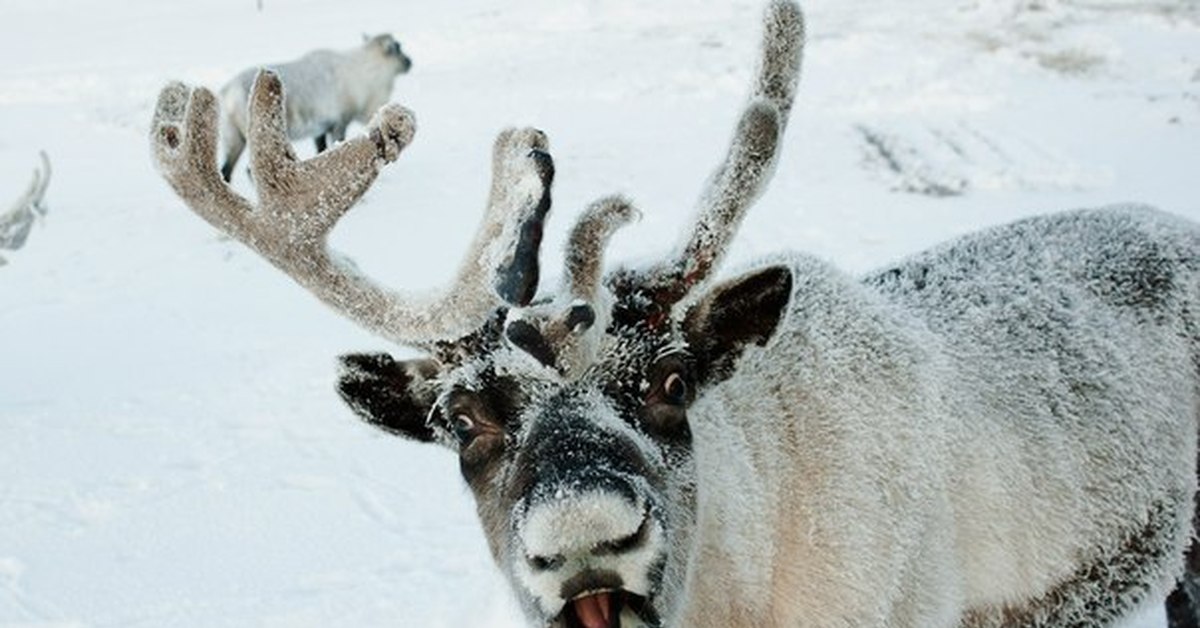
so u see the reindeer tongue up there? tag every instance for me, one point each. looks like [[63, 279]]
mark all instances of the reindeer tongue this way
[[594, 611]]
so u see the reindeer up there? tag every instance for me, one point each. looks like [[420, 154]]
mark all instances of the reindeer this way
[[997, 432], [327, 90]]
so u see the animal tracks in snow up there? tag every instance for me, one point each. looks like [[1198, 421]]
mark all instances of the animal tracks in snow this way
[[14, 596], [953, 159]]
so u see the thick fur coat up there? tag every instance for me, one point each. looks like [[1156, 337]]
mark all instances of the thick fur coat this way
[[1001, 431], [326, 91]]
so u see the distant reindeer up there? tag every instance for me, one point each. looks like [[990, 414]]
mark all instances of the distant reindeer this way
[[17, 222], [998, 432], [326, 90]]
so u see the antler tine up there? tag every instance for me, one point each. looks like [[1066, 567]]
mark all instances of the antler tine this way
[[748, 165], [556, 333], [326, 186], [184, 142], [509, 240], [301, 202], [586, 243], [782, 55]]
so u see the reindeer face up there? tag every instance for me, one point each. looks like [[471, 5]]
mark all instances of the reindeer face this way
[[581, 485], [584, 482], [570, 415], [389, 48]]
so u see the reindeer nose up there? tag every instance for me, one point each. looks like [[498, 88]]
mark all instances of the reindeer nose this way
[[593, 525]]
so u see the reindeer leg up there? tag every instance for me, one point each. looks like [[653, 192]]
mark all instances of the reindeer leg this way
[[1183, 604], [337, 133], [236, 143]]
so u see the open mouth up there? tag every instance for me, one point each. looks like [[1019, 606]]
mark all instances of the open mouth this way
[[604, 609]]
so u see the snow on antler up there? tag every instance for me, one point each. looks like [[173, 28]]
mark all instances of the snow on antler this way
[[556, 333], [561, 333], [301, 201], [745, 172]]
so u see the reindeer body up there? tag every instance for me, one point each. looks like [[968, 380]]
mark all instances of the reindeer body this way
[[999, 432], [327, 90], [819, 490], [1072, 345]]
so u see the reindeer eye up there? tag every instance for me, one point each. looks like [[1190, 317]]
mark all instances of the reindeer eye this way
[[675, 389], [463, 427], [664, 412]]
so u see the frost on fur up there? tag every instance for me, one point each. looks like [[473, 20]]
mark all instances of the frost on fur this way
[[17, 222], [745, 172], [301, 201], [1000, 431], [564, 332]]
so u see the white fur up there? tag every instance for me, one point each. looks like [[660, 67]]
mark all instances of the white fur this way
[[887, 462], [578, 522], [322, 86], [572, 526], [326, 91], [999, 431]]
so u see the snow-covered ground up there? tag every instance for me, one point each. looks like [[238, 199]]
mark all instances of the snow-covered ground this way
[[172, 452]]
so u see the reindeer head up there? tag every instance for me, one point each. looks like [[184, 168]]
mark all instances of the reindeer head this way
[[569, 411], [388, 48]]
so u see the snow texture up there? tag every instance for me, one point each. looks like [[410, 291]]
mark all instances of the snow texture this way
[[174, 454]]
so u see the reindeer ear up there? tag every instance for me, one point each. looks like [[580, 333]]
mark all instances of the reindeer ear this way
[[739, 312], [393, 396]]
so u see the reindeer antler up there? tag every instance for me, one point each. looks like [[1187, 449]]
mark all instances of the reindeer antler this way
[[744, 173], [300, 202], [17, 222], [561, 334], [585, 246], [556, 333]]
